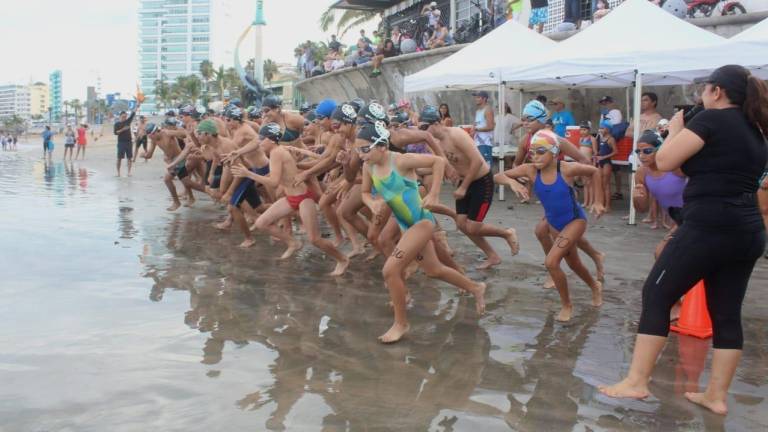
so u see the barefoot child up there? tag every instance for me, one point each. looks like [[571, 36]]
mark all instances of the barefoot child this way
[[299, 198], [394, 176], [606, 148], [553, 180], [587, 147]]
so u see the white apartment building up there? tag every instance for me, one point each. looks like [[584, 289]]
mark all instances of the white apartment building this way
[[14, 100], [38, 99], [175, 36]]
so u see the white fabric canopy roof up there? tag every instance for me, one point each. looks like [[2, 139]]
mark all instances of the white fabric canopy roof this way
[[476, 66], [756, 33], [636, 36]]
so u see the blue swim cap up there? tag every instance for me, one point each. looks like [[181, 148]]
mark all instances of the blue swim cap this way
[[325, 108], [606, 124], [536, 110]]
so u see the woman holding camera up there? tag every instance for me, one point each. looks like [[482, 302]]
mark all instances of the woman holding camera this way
[[723, 152]]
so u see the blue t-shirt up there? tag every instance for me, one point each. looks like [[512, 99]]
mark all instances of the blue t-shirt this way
[[47, 135], [562, 119]]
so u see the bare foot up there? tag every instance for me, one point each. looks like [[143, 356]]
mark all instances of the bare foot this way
[[625, 390], [341, 267], [489, 262], [600, 267], [647, 220], [340, 240], [654, 226], [357, 249], [597, 294], [716, 406], [190, 202], [293, 247], [395, 333], [247, 243], [223, 225], [174, 206], [549, 283], [480, 298], [514, 245], [565, 314]]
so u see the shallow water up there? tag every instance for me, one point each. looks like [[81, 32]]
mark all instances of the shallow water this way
[[117, 315]]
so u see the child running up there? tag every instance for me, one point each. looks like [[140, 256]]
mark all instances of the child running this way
[[394, 177], [566, 218]]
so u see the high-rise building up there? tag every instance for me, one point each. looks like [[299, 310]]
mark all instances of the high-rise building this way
[[38, 99], [54, 90], [14, 100], [176, 35]]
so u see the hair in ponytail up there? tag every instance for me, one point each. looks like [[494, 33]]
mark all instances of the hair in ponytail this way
[[756, 103]]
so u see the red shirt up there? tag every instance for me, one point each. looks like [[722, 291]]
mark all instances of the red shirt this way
[[81, 136]]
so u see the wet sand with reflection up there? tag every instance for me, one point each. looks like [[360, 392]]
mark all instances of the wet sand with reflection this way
[[117, 315]]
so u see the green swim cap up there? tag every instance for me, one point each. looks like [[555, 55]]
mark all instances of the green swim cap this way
[[208, 126]]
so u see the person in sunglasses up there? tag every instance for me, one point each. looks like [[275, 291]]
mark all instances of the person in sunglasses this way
[[474, 193], [299, 198], [651, 183], [535, 116], [566, 219], [394, 177]]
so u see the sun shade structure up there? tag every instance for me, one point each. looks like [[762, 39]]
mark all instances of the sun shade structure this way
[[477, 66]]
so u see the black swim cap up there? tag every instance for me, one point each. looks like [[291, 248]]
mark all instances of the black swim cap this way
[[305, 107], [376, 133], [234, 113], [374, 112], [345, 113], [271, 131], [400, 117], [254, 113], [272, 101], [151, 128], [651, 137], [358, 104]]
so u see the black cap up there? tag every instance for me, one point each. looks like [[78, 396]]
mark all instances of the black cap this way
[[430, 114], [373, 112], [123, 112], [345, 113], [482, 94], [605, 99], [170, 113], [150, 128], [376, 133], [586, 125], [272, 101], [271, 131], [234, 113], [733, 79], [651, 137]]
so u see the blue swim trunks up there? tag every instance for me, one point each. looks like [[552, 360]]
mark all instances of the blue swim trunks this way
[[539, 16]]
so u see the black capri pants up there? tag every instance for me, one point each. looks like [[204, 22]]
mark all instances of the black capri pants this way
[[724, 260]]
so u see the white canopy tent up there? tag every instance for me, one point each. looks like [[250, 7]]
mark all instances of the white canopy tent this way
[[476, 66]]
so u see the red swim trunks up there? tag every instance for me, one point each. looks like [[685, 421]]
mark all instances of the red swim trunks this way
[[295, 200]]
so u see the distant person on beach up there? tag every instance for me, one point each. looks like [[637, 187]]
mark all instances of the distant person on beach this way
[[141, 137], [82, 140], [124, 141], [69, 143], [47, 142]]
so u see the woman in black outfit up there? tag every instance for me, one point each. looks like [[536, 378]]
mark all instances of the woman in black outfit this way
[[723, 152]]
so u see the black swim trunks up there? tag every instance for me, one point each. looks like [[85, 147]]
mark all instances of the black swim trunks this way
[[246, 190], [478, 199], [124, 150]]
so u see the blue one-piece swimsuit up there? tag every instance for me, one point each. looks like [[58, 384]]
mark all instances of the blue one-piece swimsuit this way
[[559, 201]]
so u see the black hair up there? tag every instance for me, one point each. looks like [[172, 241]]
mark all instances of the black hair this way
[[542, 99], [653, 97], [745, 90], [447, 111], [507, 109]]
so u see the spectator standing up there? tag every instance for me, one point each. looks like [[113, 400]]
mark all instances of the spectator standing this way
[[573, 12], [334, 45], [124, 142], [539, 14], [432, 13], [561, 117], [445, 115], [615, 119], [69, 143], [82, 140], [649, 117], [505, 133], [47, 142], [516, 7], [386, 51], [484, 125]]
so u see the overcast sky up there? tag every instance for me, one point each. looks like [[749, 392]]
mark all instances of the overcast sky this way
[[90, 38]]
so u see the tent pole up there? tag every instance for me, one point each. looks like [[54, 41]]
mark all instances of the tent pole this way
[[635, 137], [502, 135]]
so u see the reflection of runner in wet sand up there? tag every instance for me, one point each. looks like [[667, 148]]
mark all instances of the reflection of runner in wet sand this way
[[166, 139], [475, 191], [567, 221], [394, 177], [299, 198]]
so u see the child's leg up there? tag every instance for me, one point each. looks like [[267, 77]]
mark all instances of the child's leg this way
[[308, 214], [564, 242], [266, 223]]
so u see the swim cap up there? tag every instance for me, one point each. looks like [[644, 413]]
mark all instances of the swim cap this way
[[171, 121], [234, 113], [357, 103], [400, 117], [170, 113], [151, 128], [272, 101], [545, 138], [271, 131], [429, 115], [345, 113], [374, 112], [188, 110], [207, 126], [536, 110], [376, 133], [254, 113], [651, 137], [304, 108], [325, 108], [586, 125]]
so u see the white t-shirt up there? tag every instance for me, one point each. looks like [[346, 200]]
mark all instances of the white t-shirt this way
[[501, 135], [434, 17]]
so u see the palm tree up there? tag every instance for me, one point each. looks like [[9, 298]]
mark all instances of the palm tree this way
[[76, 106], [162, 94], [270, 70], [349, 19], [220, 79], [206, 71], [232, 80], [187, 88]]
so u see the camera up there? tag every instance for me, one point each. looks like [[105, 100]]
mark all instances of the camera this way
[[689, 111]]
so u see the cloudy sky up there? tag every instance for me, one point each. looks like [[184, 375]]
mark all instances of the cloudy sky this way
[[87, 39]]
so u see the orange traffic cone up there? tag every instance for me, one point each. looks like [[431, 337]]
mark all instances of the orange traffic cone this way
[[694, 316]]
